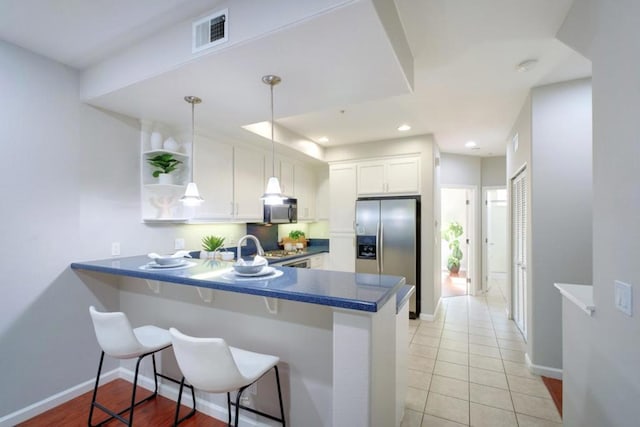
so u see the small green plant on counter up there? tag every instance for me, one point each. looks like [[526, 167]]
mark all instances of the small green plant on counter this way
[[451, 234], [212, 243], [296, 234], [164, 163]]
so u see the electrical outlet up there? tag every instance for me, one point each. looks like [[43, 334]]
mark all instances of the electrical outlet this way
[[115, 248], [179, 243], [623, 297]]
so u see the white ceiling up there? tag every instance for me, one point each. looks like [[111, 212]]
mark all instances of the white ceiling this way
[[339, 83]]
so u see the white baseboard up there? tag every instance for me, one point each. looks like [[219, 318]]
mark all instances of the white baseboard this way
[[431, 317], [55, 400], [165, 389], [542, 370]]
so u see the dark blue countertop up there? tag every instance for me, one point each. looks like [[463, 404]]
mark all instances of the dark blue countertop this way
[[354, 291]]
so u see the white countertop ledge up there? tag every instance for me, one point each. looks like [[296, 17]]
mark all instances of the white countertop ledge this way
[[580, 295]]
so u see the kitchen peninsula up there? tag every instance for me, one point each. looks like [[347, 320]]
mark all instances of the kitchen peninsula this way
[[341, 337]]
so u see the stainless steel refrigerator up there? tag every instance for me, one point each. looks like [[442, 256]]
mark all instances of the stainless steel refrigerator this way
[[388, 240]]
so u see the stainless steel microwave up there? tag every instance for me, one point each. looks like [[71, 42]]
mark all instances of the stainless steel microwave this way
[[285, 213]]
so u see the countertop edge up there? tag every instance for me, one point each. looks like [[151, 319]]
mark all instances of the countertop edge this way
[[336, 302], [403, 296], [580, 295]]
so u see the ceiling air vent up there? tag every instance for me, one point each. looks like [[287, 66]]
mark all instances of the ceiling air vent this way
[[210, 31]]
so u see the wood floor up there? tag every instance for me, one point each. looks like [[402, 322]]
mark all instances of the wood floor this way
[[555, 389], [116, 395]]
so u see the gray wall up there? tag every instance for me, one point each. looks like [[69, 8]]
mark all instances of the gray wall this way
[[554, 129], [70, 186], [494, 171], [604, 367]]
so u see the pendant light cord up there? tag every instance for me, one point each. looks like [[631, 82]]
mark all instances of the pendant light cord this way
[[273, 144], [193, 137]]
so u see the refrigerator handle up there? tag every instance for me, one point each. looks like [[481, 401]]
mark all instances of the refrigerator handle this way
[[381, 247], [378, 247]]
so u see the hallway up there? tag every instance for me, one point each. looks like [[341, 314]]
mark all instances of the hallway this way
[[468, 368]]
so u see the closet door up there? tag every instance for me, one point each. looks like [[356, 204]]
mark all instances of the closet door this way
[[519, 249]]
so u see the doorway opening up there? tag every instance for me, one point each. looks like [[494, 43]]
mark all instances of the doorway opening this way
[[457, 254], [494, 229]]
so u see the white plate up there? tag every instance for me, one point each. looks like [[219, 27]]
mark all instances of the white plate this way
[[263, 272], [154, 264]]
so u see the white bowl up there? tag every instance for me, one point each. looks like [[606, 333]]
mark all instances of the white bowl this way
[[226, 256], [168, 260], [250, 267]]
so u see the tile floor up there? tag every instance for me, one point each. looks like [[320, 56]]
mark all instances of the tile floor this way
[[467, 368]]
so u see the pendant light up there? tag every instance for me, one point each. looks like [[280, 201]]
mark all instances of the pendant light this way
[[191, 195], [273, 194]]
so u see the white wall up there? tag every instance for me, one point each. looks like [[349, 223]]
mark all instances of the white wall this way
[[554, 129], [604, 368]]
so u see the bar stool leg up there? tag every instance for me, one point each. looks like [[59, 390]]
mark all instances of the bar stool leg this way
[[229, 407], [280, 396], [95, 389], [135, 384]]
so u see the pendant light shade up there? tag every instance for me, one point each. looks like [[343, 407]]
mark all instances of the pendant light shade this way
[[191, 196], [273, 195]]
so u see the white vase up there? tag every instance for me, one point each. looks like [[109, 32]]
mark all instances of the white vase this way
[[171, 144], [165, 179], [156, 141]]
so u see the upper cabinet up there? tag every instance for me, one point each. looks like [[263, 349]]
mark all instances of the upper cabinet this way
[[342, 194], [213, 173], [305, 192], [389, 176], [230, 180], [248, 184]]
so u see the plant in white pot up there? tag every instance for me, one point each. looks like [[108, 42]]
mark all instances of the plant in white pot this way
[[451, 235], [164, 164], [210, 246]]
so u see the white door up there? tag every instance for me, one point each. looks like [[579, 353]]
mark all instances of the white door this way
[[495, 240], [519, 249]]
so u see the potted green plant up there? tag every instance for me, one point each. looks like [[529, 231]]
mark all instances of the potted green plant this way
[[210, 245], [451, 235], [297, 238], [164, 164]]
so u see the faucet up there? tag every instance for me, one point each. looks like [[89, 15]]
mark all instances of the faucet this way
[[255, 239]]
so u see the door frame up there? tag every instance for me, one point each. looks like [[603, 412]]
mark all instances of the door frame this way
[[474, 223], [485, 228]]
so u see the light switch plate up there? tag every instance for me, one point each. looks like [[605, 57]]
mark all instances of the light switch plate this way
[[115, 248], [179, 244], [623, 297]]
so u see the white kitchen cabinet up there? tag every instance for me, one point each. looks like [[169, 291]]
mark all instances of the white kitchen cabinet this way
[[213, 173], [389, 176], [322, 193], [230, 180], [305, 192], [319, 261], [286, 177], [342, 197], [283, 170], [342, 252], [248, 184]]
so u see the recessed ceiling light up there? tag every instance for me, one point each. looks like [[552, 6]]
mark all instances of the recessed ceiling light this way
[[526, 65], [471, 144], [323, 139], [404, 128]]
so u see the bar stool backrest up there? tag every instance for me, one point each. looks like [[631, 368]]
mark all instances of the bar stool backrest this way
[[115, 335], [206, 363]]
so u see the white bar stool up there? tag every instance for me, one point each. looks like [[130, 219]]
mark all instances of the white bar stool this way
[[209, 364], [118, 340]]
